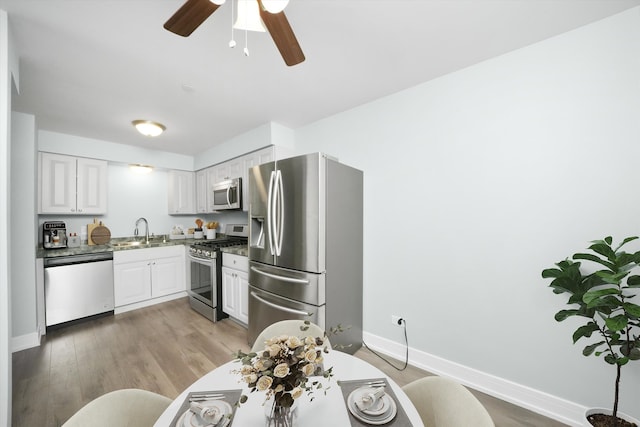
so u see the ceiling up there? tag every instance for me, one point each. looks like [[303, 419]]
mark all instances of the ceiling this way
[[90, 67]]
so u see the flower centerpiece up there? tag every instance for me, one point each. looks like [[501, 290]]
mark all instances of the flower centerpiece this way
[[283, 370]]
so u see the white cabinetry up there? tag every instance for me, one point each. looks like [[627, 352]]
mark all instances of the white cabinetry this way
[[72, 185], [202, 191], [143, 275], [235, 168], [181, 192], [250, 160], [235, 286]]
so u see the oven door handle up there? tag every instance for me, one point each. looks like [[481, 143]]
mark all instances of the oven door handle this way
[[200, 260], [280, 307], [283, 278]]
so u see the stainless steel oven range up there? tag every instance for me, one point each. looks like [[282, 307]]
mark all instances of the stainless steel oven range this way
[[204, 264]]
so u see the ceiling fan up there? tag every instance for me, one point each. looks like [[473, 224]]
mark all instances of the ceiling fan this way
[[195, 12]]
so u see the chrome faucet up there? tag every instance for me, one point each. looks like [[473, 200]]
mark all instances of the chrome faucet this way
[[146, 229]]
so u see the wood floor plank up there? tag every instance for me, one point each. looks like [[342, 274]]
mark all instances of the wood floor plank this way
[[163, 348]]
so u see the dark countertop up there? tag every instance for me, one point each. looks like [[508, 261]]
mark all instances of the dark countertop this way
[[154, 243]]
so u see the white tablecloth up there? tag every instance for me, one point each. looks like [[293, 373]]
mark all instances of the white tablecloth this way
[[324, 410]]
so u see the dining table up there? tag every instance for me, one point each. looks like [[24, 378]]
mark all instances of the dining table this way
[[326, 406]]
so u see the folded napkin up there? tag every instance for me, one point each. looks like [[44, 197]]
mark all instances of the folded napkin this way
[[199, 406], [400, 420]]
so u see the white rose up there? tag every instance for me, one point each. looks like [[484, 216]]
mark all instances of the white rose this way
[[281, 370], [294, 342], [296, 392], [310, 341], [246, 369], [258, 365], [264, 383], [308, 369], [250, 379], [310, 356], [274, 350]]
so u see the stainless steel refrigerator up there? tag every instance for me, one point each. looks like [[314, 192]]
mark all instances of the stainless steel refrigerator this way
[[305, 246]]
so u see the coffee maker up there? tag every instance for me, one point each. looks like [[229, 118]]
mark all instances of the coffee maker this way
[[54, 235]]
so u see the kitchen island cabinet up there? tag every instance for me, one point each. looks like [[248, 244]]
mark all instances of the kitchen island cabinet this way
[[235, 287], [148, 276], [72, 185]]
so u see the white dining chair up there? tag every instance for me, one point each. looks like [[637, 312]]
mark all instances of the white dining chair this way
[[121, 408], [442, 402], [288, 327]]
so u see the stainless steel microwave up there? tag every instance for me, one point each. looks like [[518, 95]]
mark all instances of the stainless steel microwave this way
[[227, 195]]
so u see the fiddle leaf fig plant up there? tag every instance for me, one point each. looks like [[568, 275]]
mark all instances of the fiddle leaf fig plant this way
[[603, 296]]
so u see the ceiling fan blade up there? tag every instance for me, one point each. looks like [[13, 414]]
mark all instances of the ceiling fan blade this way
[[282, 36], [190, 16]]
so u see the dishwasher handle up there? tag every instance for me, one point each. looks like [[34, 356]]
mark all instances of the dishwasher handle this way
[[77, 259]]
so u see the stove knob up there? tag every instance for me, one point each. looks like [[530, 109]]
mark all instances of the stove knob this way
[[207, 254]]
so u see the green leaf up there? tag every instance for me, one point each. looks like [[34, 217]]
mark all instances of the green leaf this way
[[616, 323], [632, 309], [591, 257], [633, 281], [604, 249], [625, 241], [551, 272], [584, 331], [593, 295], [611, 278], [588, 350], [563, 314]]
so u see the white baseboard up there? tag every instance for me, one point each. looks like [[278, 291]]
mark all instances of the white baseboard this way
[[147, 303], [24, 342], [534, 400]]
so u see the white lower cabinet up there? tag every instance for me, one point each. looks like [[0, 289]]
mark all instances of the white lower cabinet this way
[[235, 286], [141, 275]]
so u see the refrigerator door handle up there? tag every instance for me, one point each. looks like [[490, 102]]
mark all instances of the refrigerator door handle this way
[[280, 307], [282, 278], [270, 225], [280, 213]]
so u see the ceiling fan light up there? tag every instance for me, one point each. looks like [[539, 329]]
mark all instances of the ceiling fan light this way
[[140, 169], [274, 6], [218, 2], [249, 16], [148, 127]]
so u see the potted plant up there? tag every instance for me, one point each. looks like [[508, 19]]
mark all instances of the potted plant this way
[[603, 297]]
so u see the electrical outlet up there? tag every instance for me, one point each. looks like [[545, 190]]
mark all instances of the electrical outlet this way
[[396, 320]]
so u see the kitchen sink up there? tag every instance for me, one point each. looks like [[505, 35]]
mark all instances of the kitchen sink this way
[[153, 241], [127, 244]]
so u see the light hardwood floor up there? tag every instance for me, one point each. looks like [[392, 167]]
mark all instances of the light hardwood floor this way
[[163, 348]]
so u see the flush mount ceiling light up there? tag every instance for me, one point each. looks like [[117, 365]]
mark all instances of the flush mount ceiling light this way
[[141, 169], [148, 127]]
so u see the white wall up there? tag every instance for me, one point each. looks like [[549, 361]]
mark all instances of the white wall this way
[[477, 181], [8, 69], [23, 222]]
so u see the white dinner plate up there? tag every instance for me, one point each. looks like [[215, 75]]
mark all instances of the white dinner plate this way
[[190, 419], [383, 412]]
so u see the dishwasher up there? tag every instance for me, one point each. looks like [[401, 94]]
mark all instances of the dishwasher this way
[[78, 286]]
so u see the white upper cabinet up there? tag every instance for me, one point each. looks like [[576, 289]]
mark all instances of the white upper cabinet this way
[[72, 185], [235, 168], [250, 160], [182, 192], [202, 191]]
